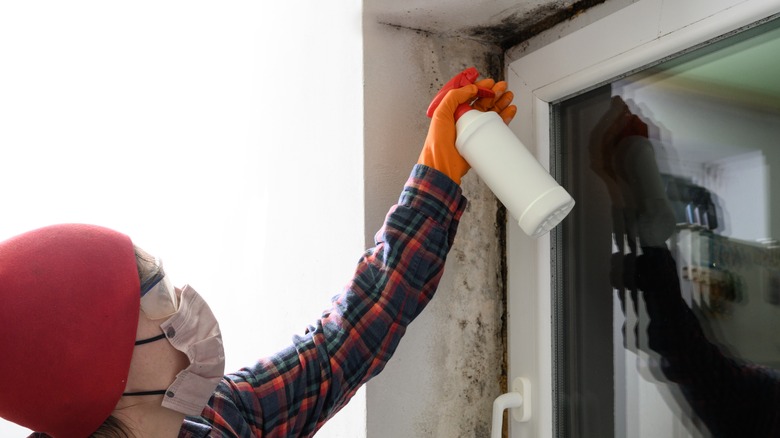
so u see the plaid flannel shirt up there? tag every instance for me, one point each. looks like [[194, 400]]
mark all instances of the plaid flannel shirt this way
[[293, 393]]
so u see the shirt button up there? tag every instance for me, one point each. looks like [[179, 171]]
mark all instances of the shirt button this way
[[169, 394], [170, 332]]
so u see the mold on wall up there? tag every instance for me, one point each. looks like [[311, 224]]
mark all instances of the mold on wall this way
[[473, 314], [452, 362], [450, 365], [550, 26], [516, 27]]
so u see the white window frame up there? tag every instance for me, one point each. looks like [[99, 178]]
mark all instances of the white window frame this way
[[639, 34]]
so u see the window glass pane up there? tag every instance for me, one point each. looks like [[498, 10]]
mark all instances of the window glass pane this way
[[668, 313]]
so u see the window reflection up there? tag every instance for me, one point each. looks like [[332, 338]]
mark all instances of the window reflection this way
[[673, 170]]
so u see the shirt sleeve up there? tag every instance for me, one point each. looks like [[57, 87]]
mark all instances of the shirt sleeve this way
[[295, 391]]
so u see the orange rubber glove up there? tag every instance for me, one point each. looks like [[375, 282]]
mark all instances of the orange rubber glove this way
[[500, 103], [439, 150]]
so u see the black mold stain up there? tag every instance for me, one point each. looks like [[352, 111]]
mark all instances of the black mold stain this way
[[517, 28], [501, 224], [416, 30], [494, 64]]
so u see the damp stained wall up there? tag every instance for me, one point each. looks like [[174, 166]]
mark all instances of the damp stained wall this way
[[448, 369], [451, 364]]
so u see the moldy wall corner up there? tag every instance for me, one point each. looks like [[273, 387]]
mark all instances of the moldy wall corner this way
[[450, 366]]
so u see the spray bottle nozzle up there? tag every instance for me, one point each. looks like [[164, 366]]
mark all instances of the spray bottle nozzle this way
[[466, 77]]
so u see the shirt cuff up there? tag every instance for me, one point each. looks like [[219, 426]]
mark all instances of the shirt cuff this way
[[434, 194]]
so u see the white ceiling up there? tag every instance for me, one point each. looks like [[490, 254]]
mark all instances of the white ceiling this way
[[444, 16], [504, 22]]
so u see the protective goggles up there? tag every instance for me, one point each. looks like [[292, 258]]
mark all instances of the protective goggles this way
[[158, 296]]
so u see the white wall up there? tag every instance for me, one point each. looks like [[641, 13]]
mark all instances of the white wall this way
[[449, 367], [226, 139]]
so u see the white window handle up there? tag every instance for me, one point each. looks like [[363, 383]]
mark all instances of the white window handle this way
[[519, 400]]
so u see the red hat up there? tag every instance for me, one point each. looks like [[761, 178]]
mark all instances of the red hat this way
[[69, 303]]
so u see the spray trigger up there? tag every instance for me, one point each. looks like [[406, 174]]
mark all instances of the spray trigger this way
[[466, 77]]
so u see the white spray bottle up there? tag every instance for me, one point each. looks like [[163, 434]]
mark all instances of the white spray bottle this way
[[517, 179]]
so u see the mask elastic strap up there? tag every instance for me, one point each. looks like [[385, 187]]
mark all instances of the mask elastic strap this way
[[148, 340], [140, 393]]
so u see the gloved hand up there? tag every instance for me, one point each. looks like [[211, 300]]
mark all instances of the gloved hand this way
[[439, 150]]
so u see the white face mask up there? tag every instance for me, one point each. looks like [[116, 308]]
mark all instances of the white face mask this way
[[194, 331]]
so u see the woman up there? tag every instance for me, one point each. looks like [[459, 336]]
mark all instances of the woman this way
[[89, 359]]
